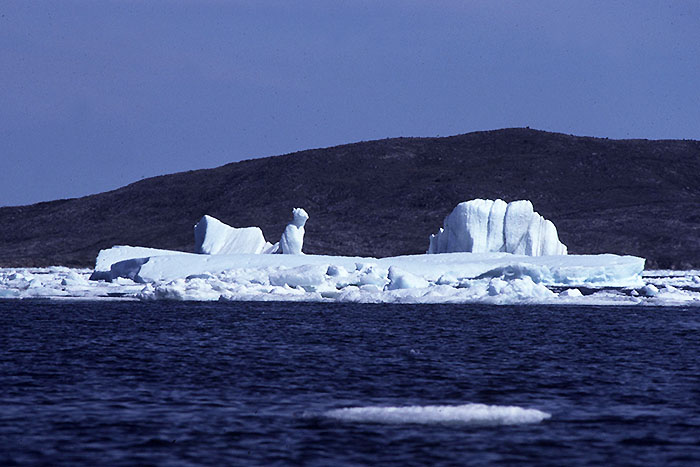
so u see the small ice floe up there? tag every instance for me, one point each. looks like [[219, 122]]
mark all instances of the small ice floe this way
[[469, 414], [570, 293], [649, 290]]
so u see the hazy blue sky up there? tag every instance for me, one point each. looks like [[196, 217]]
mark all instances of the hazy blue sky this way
[[98, 94]]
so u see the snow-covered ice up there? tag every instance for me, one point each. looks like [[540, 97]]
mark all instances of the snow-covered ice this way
[[445, 278], [362, 282], [475, 265], [483, 225], [471, 414], [106, 258], [559, 270], [213, 237], [63, 283]]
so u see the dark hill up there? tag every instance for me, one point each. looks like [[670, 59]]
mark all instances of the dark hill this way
[[385, 197]]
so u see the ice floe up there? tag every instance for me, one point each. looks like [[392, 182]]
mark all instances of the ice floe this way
[[469, 414], [62, 282], [561, 270], [106, 258], [501, 254], [362, 282]]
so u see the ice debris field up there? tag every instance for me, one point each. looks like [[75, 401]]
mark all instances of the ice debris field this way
[[487, 252]]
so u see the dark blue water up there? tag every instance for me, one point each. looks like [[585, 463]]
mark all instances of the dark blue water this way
[[247, 383]]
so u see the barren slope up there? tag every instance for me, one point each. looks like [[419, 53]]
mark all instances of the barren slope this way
[[382, 198]]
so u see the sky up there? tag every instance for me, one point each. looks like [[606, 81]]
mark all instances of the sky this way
[[95, 95]]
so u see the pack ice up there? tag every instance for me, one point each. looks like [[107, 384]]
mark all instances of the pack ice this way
[[490, 251], [484, 225]]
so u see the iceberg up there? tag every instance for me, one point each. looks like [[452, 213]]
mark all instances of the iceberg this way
[[483, 225], [107, 257], [490, 252], [408, 271], [293, 237], [213, 237]]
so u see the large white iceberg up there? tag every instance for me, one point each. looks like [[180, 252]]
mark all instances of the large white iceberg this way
[[213, 237], [484, 225], [491, 251]]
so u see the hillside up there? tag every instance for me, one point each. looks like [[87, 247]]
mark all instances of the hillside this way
[[382, 198]]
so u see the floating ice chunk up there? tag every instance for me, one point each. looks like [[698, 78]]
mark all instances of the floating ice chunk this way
[[570, 293], [517, 290], [168, 268], [482, 225], [573, 270], [370, 288], [669, 295], [399, 279], [107, 257], [472, 414], [649, 290], [293, 237], [558, 270], [447, 279], [336, 271], [9, 293], [309, 275], [182, 290], [324, 278], [371, 274], [213, 237], [679, 279]]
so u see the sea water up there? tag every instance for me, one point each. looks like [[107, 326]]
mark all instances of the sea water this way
[[171, 383]]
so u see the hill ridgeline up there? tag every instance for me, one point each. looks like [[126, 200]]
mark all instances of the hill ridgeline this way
[[385, 198]]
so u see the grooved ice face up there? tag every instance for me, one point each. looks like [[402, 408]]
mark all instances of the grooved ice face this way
[[484, 225]]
